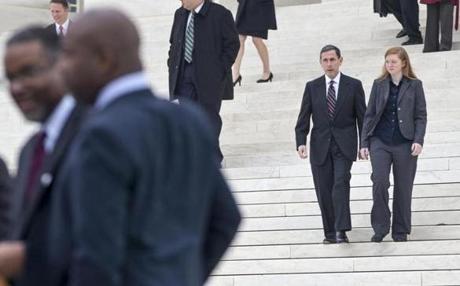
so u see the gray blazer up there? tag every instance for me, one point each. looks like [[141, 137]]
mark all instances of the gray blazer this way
[[412, 113]]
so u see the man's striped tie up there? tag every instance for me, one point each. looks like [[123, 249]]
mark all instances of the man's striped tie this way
[[331, 100], [189, 39]]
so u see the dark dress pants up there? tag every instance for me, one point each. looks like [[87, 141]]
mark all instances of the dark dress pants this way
[[383, 157], [410, 16], [332, 186], [393, 7], [440, 15], [186, 90]]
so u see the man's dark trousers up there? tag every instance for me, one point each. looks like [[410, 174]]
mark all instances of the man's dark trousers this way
[[333, 195], [186, 90], [410, 15]]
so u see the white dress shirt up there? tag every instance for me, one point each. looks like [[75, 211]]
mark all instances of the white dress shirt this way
[[197, 10], [336, 84], [65, 26], [56, 121], [121, 86]]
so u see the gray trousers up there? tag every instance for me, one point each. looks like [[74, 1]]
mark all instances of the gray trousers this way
[[439, 16], [383, 157], [332, 186]]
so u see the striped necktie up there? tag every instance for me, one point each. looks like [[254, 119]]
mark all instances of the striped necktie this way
[[331, 100], [189, 39]]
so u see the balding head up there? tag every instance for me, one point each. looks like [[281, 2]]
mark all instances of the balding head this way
[[101, 46]]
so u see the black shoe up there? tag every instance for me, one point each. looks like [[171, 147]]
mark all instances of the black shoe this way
[[400, 237], [377, 238], [238, 80], [401, 34], [270, 78], [413, 41], [341, 237], [329, 240]]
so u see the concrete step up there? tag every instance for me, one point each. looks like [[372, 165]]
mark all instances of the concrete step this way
[[400, 278], [356, 194], [314, 237], [444, 217], [338, 265], [357, 207], [353, 249]]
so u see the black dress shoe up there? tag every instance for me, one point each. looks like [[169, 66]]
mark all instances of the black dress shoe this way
[[400, 237], [401, 34], [377, 238], [341, 237], [329, 240], [270, 78], [413, 41]]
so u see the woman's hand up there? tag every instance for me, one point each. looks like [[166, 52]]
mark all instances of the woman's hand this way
[[416, 149]]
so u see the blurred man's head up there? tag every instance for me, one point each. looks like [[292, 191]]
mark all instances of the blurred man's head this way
[[331, 60], [59, 11], [102, 46], [191, 4], [30, 66]]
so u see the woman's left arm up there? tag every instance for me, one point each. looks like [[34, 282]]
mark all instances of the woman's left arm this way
[[420, 114]]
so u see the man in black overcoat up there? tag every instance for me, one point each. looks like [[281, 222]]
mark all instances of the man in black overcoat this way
[[203, 46]]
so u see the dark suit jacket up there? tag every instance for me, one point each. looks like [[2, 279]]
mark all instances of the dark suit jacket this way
[[32, 222], [216, 46], [259, 15], [412, 113], [147, 203], [5, 201], [349, 113]]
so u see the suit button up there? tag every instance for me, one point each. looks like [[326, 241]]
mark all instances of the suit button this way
[[400, 121], [399, 108]]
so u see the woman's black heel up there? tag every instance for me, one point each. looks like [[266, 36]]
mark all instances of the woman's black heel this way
[[269, 79], [238, 80]]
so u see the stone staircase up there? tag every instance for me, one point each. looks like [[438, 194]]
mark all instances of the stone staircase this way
[[279, 241]]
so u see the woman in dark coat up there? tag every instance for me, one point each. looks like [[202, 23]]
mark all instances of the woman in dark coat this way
[[439, 17], [254, 18], [393, 135]]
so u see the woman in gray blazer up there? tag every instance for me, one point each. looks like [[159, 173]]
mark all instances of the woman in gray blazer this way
[[393, 132]]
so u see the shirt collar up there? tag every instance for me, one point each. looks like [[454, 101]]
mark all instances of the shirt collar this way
[[121, 86], [198, 9], [56, 121], [65, 26], [336, 79]]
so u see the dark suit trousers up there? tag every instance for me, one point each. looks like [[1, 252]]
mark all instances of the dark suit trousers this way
[[383, 156], [410, 16], [332, 186], [393, 7], [439, 15], [186, 90]]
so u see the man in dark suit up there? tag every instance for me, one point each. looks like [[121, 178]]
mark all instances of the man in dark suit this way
[[146, 200], [204, 45], [59, 10], [407, 14], [336, 103], [39, 92], [5, 195]]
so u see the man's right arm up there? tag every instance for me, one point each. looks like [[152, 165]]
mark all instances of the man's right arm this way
[[224, 221], [171, 40], [302, 127]]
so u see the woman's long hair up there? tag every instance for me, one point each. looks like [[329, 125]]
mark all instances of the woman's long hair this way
[[407, 70]]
